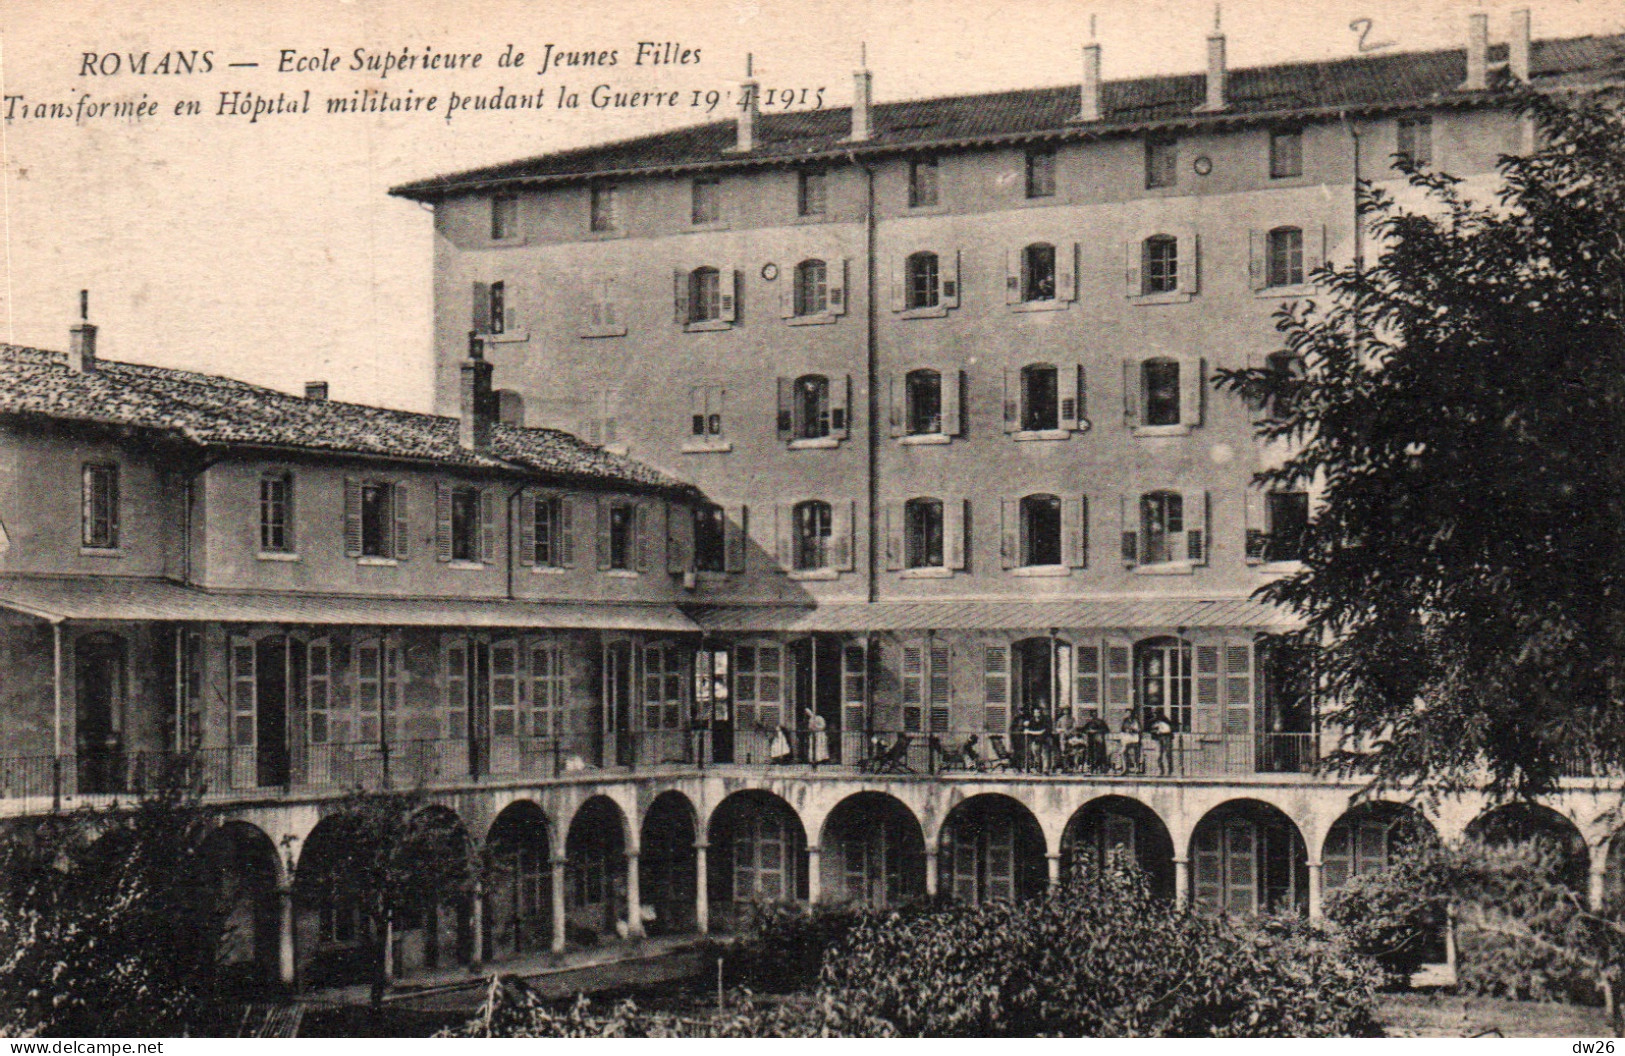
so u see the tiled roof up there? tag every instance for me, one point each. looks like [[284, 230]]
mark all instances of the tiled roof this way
[[211, 410], [1369, 83], [1140, 613]]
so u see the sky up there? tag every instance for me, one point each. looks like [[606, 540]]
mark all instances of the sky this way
[[267, 248]]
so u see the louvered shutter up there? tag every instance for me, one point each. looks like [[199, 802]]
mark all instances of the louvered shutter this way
[[527, 528], [1190, 262], [567, 532], [1131, 269], [679, 539], [996, 687], [1074, 390], [791, 276], [1257, 537], [1119, 679], [488, 525], [244, 691], [897, 404], [899, 296], [480, 313], [1010, 532], [504, 685], [1001, 865], [1131, 393], [787, 413], [1241, 871], [1075, 531], [728, 282], [1315, 247], [1066, 272], [1012, 275], [783, 536], [948, 279], [1012, 399], [734, 538], [940, 685], [603, 534], [837, 286], [840, 404], [953, 402], [1192, 391], [352, 517], [1209, 709], [842, 544], [643, 530], [895, 521], [1370, 847], [1086, 666], [1238, 688], [962, 870], [1258, 260], [1129, 530], [403, 521], [913, 676], [1337, 857], [679, 296], [1207, 878], [955, 514], [1197, 538]]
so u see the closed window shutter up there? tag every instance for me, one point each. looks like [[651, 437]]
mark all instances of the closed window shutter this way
[[352, 517], [1257, 537], [1192, 391], [842, 521], [644, 530], [1315, 245], [897, 418], [734, 538], [1258, 260], [895, 521], [787, 414], [1238, 687], [567, 533], [1131, 393], [953, 402], [1119, 679], [954, 517], [1197, 538], [696, 411], [403, 520], [603, 534], [679, 296], [1337, 856], [1241, 880], [442, 522], [1066, 272], [679, 539], [527, 528], [1087, 670], [481, 313], [948, 279], [784, 525], [1012, 399], [898, 299], [996, 688], [840, 404], [837, 286], [1207, 878], [729, 283], [940, 685], [913, 685], [1208, 707], [1012, 276], [1073, 392], [244, 692], [1075, 531], [1131, 269], [790, 275], [1009, 532], [505, 681], [488, 525], [1129, 525]]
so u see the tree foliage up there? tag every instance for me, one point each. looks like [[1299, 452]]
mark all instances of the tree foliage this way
[[1460, 406]]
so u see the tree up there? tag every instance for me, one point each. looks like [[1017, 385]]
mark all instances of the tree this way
[[1460, 407], [108, 922], [394, 856]]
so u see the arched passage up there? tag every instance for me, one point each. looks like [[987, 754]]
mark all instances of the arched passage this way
[[1113, 823], [666, 873], [335, 933], [1368, 838], [519, 881], [1248, 857], [595, 852], [991, 847], [241, 864], [435, 930], [758, 855], [1549, 831], [873, 852]]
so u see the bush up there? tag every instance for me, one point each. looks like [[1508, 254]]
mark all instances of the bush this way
[[1396, 915], [783, 950]]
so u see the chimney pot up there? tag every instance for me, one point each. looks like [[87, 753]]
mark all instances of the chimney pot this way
[[1089, 90], [1215, 72], [862, 91], [749, 89], [1478, 53], [315, 390], [82, 339], [1518, 46]]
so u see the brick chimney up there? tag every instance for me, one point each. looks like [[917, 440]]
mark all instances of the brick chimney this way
[[1215, 69], [474, 408], [82, 339], [315, 390], [862, 96], [1478, 53], [1518, 46], [750, 91], [1089, 91]]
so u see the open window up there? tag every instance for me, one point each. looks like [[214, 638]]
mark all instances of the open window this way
[[813, 410], [705, 298], [465, 524], [927, 405], [926, 283], [376, 520], [1165, 530], [1163, 267], [1041, 275], [1044, 532], [1277, 522], [1163, 394], [1045, 401]]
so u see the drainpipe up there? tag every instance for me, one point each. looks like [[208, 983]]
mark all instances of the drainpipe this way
[[872, 368], [513, 536], [56, 714]]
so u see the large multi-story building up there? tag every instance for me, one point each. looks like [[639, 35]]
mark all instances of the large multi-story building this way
[[946, 505]]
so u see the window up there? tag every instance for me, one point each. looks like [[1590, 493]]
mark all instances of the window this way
[[276, 513], [923, 391], [1415, 139], [1160, 264], [1161, 162], [922, 530], [812, 288], [603, 207], [100, 507], [1040, 398], [663, 687], [601, 302], [1159, 380], [1040, 530], [812, 527], [811, 193], [710, 538], [1038, 272], [704, 295], [707, 203], [1162, 670], [922, 182], [465, 524], [1286, 516], [1040, 173], [1284, 257], [1286, 153], [1287, 368], [622, 535], [758, 685], [705, 416], [1162, 527], [548, 524], [812, 407], [504, 217], [922, 275], [377, 519]]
